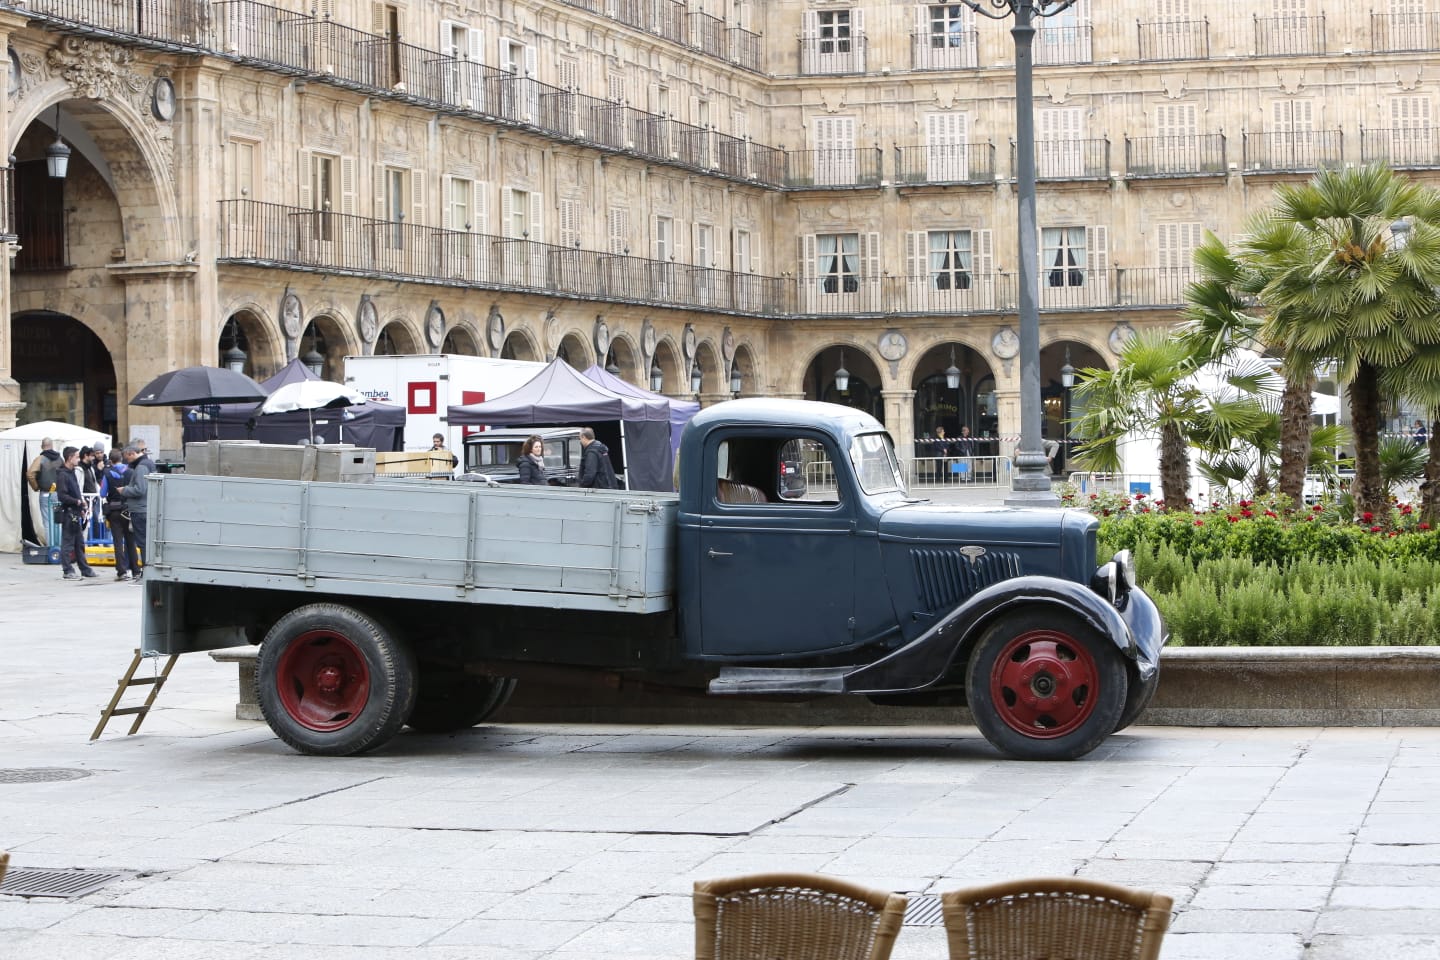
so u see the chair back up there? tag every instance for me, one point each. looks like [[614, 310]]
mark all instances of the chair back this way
[[797, 916], [1060, 917]]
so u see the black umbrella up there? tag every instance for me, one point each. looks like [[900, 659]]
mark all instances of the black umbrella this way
[[199, 385]]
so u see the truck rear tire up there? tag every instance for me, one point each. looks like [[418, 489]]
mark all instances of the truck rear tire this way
[[333, 681], [450, 701], [1045, 686]]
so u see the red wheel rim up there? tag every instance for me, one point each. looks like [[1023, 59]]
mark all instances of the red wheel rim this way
[[323, 680], [1044, 684]]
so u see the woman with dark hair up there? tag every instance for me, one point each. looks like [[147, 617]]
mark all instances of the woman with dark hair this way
[[532, 460]]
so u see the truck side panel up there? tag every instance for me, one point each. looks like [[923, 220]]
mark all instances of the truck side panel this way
[[520, 546]]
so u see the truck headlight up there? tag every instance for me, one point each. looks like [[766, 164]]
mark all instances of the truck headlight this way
[[1125, 567], [1105, 582]]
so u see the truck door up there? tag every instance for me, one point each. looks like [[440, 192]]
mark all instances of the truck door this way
[[777, 548]]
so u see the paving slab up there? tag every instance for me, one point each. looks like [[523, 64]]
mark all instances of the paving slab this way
[[567, 841]]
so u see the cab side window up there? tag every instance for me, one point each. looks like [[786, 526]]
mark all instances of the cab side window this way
[[762, 470]]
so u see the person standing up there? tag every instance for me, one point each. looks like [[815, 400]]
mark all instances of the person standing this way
[[437, 445], [532, 461], [595, 468], [73, 514], [42, 472], [1419, 434], [118, 517], [135, 494]]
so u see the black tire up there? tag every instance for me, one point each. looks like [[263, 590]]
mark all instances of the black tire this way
[[1137, 698], [334, 681], [449, 700], [1044, 686]]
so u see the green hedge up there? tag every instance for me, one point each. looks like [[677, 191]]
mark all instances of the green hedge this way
[[1273, 582]]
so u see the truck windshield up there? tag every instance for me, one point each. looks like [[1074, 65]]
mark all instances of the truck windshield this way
[[875, 465]]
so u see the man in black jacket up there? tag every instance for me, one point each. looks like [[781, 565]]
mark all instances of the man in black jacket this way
[[135, 494], [595, 468], [72, 518]]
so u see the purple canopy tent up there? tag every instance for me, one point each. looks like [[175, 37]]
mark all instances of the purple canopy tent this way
[[559, 396], [378, 425], [680, 410]]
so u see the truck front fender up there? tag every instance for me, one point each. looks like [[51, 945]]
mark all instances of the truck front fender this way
[[1137, 632]]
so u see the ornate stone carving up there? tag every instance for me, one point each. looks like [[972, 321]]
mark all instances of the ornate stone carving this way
[[96, 70], [367, 323], [495, 328], [435, 325]]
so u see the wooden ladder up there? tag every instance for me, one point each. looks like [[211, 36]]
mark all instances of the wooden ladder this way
[[127, 681]]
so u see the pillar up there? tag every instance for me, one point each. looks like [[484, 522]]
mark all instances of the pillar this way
[[10, 402]]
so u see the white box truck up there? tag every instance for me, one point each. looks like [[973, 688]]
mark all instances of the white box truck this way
[[427, 384]]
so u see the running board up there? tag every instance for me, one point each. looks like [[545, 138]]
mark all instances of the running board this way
[[760, 681]]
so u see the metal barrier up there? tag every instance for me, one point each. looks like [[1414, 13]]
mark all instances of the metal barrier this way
[[1128, 484], [929, 472]]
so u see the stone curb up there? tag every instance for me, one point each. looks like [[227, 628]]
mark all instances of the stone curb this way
[[1389, 686]]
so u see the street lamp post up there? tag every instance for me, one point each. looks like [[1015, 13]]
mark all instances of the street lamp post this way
[[1030, 486]]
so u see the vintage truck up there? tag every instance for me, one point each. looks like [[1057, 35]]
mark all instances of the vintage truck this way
[[382, 604]]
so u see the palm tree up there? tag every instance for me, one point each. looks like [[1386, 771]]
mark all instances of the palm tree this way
[[1337, 288], [1159, 389], [1218, 323]]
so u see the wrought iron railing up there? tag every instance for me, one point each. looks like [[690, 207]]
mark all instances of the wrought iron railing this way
[[1404, 32], [1403, 148], [746, 49], [945, 163], [1151, 286], [179, 22], [1180, 156], [1289, 36], [826, 55], [1069, 159], [1174, 40], [1061, 43], [953, 50], [1303, 151], [707, 34], [837, 167], [673, 21]]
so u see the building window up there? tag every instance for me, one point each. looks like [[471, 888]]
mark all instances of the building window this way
[[519, 221], [664, 239], [950, 259], [948, 23], [1062, 256], [837, 262], [834, 31], [458, 203]]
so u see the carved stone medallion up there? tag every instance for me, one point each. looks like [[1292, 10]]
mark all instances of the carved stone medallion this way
[[435, 325], [495, 328], [893, 345], [367, 321], [602, 338], [1005, 344], [290, 316]]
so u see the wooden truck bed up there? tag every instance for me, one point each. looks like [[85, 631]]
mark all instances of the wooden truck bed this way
[[608, 550]]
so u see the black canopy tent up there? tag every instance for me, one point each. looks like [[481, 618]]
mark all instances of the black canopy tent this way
[[378, 425], [636, 431]]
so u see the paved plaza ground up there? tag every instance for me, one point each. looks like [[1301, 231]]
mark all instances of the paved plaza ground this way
[[581, 843]]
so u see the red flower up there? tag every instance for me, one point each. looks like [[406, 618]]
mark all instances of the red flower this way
[[1422, 526], [1139, 496], [1105, 512], [1367, 516], [1375, 529], [1199, 523], [1270, 513], [1246, 513], [1392, 533], [1317, 508], [1094, 496], [1233, 519]]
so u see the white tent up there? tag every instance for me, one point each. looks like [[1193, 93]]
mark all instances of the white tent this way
[[18, 447]]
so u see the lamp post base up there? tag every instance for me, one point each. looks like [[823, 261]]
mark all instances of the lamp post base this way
[[1032, 498], [1031, 484]]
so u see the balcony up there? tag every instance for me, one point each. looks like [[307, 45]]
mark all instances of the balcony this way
[[746, 49], [1193, 155], [944, 51], [831, 55], [272, 235], [170, 23], [668, 19], [832, 169], [1152, 286], [1404, 32], [955, 293], [1402, 149], [945, 163], [707, 34], [1175, 40], [1304, 151], [1057, 44], [1289, 36], [1069, 159]]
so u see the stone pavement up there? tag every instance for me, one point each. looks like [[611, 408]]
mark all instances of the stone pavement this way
[[581, 843]]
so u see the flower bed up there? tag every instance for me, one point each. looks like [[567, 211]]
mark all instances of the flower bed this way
[[1259, 573]]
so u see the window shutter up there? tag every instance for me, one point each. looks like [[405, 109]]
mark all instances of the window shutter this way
[[447, 187], [618, 229], [857, 28], [615, 86], [476, 53], [532, 62], [1097, 254], [447, 39], [809, 47], [381, 211], [807, 257], [922, 24], [507, 213], [377, 19], [569, 222], [983, 243], [810, 23], [480, 212], [305, 176], [347, 185], [754, 264], [569, 73], [677, 239], [418, 205], [537, 221], [917, 254], [870, 258]]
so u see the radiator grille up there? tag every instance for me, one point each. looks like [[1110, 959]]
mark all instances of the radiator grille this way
[[944, 576]]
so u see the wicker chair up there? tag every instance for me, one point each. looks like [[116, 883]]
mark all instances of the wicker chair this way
[[1060, 918], [794, 916]]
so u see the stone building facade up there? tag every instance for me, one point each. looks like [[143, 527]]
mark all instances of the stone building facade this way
[[685, 191]]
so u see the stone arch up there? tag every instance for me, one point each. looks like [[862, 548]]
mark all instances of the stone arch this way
[[675, 380], [574, 350], [863, 391], [969, 404], [749, 371], [47, 351], [397, 338], [327, 336], [626, 354], [1057, 406], [714, 379], [461, 340], [520, 345], [248, 330], [118, 130]]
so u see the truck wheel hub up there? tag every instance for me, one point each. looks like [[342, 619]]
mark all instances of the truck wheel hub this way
[[1043, 684], [323, 680]]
